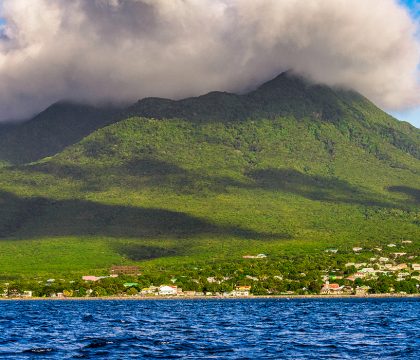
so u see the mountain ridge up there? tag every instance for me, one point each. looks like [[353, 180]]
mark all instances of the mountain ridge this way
[[65, 123], [210, 179]]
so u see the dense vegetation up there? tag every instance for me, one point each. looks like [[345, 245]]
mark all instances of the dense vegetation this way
[[287, 170]]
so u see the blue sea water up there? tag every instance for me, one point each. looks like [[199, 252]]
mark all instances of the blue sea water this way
[[211, 329]]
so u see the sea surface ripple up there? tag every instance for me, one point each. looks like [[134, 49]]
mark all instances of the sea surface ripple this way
[[211, 329]]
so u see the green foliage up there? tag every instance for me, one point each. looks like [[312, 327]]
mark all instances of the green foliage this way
[[288, 170]]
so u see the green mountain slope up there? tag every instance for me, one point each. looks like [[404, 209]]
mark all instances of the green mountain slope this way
[[49, 132], [291, 168]]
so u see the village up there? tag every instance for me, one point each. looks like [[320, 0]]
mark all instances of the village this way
[[390, 271]]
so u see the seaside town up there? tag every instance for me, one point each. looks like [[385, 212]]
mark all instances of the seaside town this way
[[393, 269]]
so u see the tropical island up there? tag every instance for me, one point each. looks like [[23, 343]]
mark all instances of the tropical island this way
[[318, 180]]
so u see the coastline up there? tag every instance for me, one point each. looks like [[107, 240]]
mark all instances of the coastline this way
[[252, 297]]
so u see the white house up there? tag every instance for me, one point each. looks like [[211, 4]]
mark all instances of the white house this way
[[416, 267], [167, 290]]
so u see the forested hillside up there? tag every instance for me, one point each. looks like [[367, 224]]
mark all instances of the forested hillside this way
[[290, 168]]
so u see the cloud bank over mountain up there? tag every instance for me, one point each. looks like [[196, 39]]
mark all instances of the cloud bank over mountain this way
[[123, 50]]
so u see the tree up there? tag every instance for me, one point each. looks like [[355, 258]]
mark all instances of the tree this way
[[132, 291]]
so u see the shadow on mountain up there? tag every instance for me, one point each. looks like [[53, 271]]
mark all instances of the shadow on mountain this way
[[314, 187], [412, 193], [41, 217], [138, 252], [60, 125], [137, 174]]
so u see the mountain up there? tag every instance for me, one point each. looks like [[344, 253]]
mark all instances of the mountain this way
[[49, 132], [289, 168]]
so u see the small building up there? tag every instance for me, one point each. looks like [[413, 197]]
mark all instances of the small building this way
[[253, 278], [27, 294], [415, 267], [189, 293], [360, 265], [347, 290], [398, 254], [91, 278], [259, 256], [333, 251], [362, 290], [359, 275], [399, 267], [357, 249], [391, 245], [242, 290], [332, 288], [149, 290], [406, 241], [125, 270], [368, 270], [168, 290]]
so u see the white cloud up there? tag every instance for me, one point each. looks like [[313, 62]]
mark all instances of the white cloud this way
[[128, 49]]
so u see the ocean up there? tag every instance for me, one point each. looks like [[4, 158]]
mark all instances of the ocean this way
[[211, 329]]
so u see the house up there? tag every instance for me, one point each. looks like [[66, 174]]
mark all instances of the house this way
[[347, 290], [259, 256], [399, 267], [253, 278], [242, 290], [415, 267], [333, 288], [360, 265], [359, 275], [362, 290], [27, 294], [149, 290], [391, 245], [333, 251], [91, 278], [357, 249], [398, 254], [368, 270], [383, 259], [406, 241], [189, 293], [168, 290], [125, 270]]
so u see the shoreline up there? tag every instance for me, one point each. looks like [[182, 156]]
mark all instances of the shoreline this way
[[252, 297]]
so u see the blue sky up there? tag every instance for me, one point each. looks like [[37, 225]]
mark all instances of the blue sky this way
[[410, 115]]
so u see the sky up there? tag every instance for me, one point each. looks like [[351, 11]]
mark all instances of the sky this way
[[412, 114], [123, 50]]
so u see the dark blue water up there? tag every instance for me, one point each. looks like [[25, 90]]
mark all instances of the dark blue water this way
[[211, 329]]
